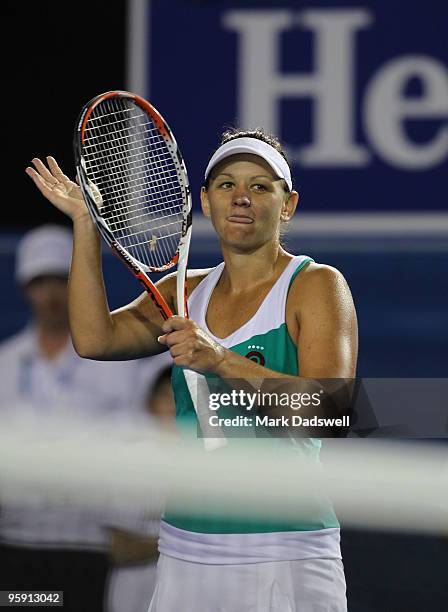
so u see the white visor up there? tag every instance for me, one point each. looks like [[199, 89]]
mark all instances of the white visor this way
[[257, 147]]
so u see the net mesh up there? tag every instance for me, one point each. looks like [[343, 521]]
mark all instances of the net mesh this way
[[129, 163]]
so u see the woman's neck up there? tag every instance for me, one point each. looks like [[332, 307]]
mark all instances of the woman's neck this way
[[246, 270]]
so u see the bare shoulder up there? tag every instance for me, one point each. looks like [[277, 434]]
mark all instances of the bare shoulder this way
[[168, 284], [319, 277], [320, 285], [144, 306], [194, 277]]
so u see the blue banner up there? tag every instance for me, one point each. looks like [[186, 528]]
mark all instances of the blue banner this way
[[357, 92]]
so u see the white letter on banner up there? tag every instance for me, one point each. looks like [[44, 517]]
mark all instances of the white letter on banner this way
[[261, 85], [386, 109]]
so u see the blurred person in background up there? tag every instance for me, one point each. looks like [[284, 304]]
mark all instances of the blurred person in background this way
[[161, 405], [135, 555], [64, 547]]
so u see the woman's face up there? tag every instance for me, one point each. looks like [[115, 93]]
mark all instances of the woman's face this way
[[247, 202], [47, 295]]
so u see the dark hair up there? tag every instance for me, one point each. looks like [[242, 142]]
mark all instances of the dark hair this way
[[259, 134], [163, 377]]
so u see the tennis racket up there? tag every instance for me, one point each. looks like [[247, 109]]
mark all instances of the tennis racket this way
[[135, 184]]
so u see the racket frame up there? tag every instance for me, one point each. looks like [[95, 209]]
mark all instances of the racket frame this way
[[138, 268], [196, 382]]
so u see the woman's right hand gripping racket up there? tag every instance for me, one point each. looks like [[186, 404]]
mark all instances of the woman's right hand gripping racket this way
[[135, 184]]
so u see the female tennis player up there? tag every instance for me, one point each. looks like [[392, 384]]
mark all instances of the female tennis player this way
[[262, 313]]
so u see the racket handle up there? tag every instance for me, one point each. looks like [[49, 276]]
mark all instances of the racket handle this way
[[197, 386]]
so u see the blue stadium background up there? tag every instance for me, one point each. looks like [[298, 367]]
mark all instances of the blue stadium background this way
[[397, 274]]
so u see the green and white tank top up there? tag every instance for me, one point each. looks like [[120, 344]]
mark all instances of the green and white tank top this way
[[217, 538]]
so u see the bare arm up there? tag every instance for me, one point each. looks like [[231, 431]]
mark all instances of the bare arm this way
[[97, 333], [327, 342]]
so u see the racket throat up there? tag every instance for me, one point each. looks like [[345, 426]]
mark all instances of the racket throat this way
[[150, 288]]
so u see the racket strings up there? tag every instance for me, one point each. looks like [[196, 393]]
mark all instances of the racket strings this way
[[124, 226], [155, 192], [129, 162]]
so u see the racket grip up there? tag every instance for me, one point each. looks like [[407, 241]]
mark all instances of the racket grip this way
[[197, 386]]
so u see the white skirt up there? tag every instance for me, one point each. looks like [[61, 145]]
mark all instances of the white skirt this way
[[310, 585], [130, 588]]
